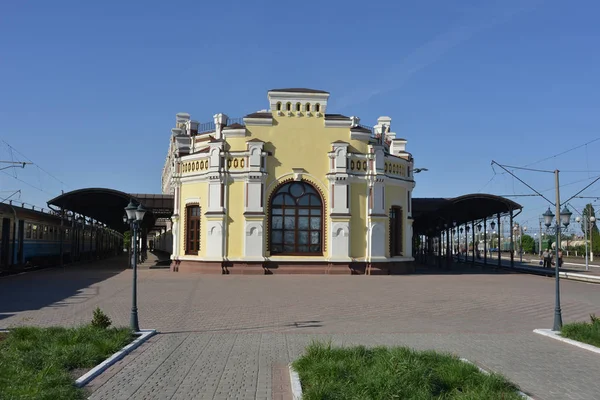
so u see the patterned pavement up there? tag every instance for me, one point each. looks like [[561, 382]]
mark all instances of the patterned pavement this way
[[228, 337]]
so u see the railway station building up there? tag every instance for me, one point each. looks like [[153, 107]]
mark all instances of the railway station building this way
[[289, 188]]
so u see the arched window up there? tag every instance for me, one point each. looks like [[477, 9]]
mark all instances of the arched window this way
[[317, 107], [288, 107], [279, 106], [298, 106], [307, 107], [296, 220]]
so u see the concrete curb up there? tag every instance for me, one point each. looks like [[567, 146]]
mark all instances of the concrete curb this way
[[572, 276], [520, 393], [555, 335], [295, 383], [145, 334], [297, 387]]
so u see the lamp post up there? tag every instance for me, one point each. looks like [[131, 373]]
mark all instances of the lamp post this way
[[479, 226], [563, 217], [460, 230], [521, 229], [592, 219], [453, 233], [135, 216], [493, 226], [467, 229]]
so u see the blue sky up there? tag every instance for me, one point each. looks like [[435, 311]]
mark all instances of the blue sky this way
[[89, 91]]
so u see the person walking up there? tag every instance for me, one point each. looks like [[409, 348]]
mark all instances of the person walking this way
[[559, 258], [547, 257]]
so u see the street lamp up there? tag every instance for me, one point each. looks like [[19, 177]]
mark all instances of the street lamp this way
[[592, 219], [135, 216], [467, 229], [521, 230], [565, 218]]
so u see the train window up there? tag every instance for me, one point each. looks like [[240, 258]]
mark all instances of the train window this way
[[28, 231], [35, 231], [51, 233]]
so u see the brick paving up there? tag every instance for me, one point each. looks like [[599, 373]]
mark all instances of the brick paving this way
[[230, 337]]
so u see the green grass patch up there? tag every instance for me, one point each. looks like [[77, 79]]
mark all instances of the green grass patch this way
[[35, 363], [586, 332], [361, 373]]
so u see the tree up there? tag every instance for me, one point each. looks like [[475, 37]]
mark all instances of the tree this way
[[528, 244], [127, 240], [595, 239]]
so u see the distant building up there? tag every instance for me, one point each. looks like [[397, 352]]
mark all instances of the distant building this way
[[289, 189]]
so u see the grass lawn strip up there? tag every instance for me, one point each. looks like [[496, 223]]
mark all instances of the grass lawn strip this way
[[585, 332], [36, 362], [397, 372], [144, 335]]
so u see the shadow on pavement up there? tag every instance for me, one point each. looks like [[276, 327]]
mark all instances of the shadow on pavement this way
[[50, 287], [297, 324]]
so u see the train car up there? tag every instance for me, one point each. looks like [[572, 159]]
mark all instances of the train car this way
[[32, 238]]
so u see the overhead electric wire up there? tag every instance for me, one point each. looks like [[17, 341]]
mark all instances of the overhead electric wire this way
[[595, 180], [570, 183], [33, 162], [522, 181], [15, 192], [562, 153], [27, 183], [527, 169]]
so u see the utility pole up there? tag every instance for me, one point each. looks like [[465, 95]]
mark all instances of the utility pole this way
[[14, 164]]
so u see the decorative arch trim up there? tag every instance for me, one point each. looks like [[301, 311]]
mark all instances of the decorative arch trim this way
[[274, 188]]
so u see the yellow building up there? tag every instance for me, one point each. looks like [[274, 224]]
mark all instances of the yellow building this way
[[290, 189]]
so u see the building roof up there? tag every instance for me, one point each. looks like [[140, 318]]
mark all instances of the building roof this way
[[234, 126], [108, 205], [298, 90], [360, 129], [336, 117], [433, 213], [260, 115]]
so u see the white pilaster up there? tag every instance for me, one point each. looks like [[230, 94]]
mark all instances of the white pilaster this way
[[377, 240], [254, 202], [214, 239], [253, 240], [176, 236], [220, 121], [340, 241]]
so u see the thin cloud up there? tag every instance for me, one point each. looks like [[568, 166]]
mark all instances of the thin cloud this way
[[428, 54]]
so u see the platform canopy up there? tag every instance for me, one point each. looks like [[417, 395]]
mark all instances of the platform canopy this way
[[430, 214], [108, 205]]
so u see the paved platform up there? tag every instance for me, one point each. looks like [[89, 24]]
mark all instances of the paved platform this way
[[225, 337]]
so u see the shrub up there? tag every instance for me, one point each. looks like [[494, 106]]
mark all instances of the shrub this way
[[100, 319]]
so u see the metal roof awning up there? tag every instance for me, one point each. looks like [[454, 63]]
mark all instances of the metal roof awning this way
[[108, 205], [430, 214]]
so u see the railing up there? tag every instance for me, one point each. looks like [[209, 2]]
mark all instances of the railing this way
[[370, 128], [206, 127], [26, 206], [231, 121], [210, 126]]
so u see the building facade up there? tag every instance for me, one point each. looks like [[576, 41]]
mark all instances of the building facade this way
[[291, 188]]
